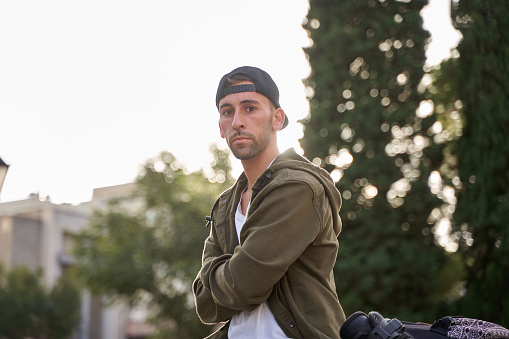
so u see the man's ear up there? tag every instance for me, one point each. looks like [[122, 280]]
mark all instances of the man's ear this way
[[278, 119], [221, 130]]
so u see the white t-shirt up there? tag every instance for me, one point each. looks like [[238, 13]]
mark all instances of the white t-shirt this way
[[259, 323]]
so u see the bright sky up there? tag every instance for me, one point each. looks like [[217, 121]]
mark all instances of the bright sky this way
[[89, 90]]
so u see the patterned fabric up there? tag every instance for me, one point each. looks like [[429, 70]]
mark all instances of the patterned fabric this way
[[465, 328]]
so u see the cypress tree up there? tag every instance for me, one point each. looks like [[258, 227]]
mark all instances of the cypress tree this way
[[370, 124], [481, 217]]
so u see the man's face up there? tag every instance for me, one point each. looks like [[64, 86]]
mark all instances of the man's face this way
[[245, 121]]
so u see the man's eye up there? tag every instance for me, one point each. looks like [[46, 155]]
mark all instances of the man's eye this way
[[250, 108], [227, 112]]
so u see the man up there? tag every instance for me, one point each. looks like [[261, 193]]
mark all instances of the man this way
[[267, 264]]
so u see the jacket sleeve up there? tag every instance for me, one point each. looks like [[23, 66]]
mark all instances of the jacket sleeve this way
[[208, 309], [282, 225]]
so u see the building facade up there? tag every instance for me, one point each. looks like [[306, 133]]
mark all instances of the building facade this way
[[38, 234]]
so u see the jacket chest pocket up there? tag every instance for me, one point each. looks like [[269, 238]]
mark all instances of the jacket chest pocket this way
[[224, 227], [221, 235]]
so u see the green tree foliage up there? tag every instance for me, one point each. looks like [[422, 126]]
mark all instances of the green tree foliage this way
[[28, 310], [148, 247], [371, 124], [480, 81]]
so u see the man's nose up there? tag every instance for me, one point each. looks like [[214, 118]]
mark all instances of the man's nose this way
[[238, 121]]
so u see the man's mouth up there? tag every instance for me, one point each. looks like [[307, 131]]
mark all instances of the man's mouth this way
[[239, 138]]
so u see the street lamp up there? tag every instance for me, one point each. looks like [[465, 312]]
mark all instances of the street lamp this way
[[3, 172]]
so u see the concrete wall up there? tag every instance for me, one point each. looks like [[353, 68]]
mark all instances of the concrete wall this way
[[26, 245], [5, 241]]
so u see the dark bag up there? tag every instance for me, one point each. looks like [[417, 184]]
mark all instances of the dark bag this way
[[374, 326]]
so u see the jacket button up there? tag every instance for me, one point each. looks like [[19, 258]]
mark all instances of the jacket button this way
[[221, 229], [292, 325]]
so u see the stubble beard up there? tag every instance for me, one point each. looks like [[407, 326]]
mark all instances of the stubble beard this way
[[258, 144]]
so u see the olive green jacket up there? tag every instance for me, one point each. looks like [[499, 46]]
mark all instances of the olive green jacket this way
[[286, 256]]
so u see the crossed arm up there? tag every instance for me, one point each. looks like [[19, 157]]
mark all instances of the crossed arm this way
[[274, 236]]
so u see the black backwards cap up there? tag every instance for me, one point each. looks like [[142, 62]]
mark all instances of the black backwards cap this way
[[262, 83]]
